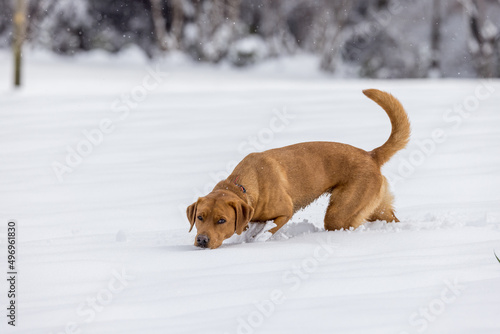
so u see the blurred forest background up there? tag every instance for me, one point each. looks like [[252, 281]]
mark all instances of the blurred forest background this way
[[357, 38]]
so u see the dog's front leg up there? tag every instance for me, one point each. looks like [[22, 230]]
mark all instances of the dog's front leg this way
[[279, 221]]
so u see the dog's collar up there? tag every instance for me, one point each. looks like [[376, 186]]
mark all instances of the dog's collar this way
[[239, 185]]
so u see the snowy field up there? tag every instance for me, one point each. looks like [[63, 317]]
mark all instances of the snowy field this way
[[101, 156]]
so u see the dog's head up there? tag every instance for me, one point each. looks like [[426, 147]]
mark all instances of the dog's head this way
[[217, 217]]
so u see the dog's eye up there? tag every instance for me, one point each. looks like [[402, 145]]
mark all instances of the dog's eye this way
[[200, 218], [221, 221]]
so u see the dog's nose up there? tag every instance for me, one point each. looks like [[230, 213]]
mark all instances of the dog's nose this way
[[202, 240]]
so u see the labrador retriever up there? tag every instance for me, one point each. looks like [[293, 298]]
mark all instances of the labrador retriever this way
[[274, 184]]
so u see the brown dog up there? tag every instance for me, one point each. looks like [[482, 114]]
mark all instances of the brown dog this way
[[274, 184]]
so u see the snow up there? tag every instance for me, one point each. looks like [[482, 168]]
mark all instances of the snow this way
[[248, 50], [107, 249]]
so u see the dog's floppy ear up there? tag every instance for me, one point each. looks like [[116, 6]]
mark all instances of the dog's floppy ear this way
[[191, 213], [244, 213]]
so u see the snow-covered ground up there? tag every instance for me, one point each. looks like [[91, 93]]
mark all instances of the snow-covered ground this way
[[100, 157]]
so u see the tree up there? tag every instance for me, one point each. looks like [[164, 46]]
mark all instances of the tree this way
[[177, 23], [435, 38], [19, 36], [217, 25], [160, 24], [483, 42], [168, 40], [276, 31], [335, 19]]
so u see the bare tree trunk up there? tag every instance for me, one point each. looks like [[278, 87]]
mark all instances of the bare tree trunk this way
[[19, 36], [436, 37], [333, 32], [233, 17], [233, 12], [276, 28], [216, 15], [485, 44], [177, 22], [159, 23]]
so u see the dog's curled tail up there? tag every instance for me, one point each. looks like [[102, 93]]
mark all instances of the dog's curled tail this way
[[400, 134]]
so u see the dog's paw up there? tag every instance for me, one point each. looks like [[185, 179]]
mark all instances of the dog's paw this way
[[291, 230], [261, 233], [256, 232]]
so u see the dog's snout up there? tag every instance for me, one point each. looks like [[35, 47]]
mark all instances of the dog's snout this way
[[202, 240]]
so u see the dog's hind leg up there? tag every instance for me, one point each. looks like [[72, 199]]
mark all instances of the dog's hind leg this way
[[351, 204], [385, 210]]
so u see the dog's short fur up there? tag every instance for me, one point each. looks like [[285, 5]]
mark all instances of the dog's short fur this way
[[275, 184]]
